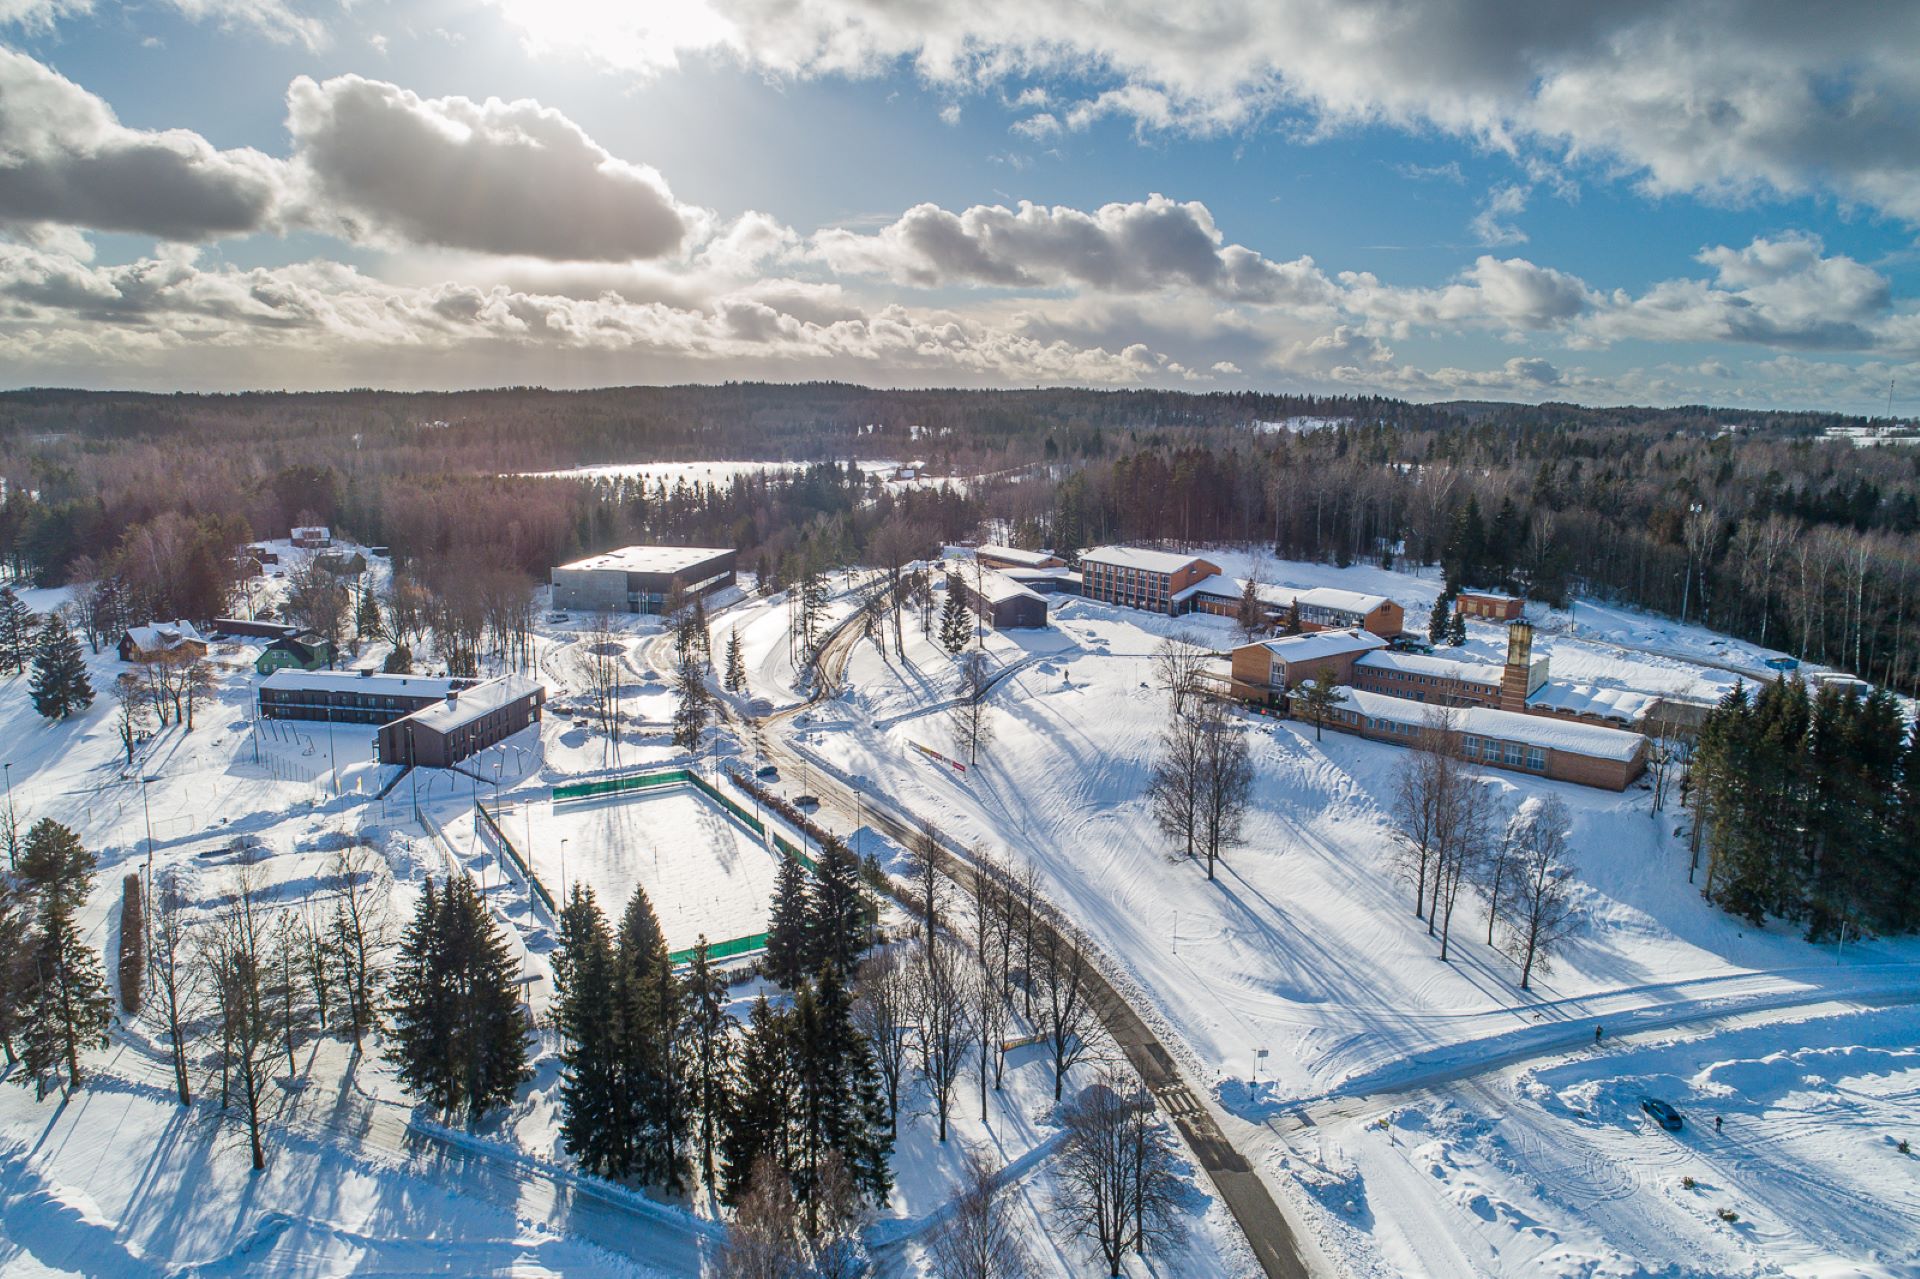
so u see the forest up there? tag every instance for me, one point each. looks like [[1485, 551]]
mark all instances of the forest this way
[[1769, 526]]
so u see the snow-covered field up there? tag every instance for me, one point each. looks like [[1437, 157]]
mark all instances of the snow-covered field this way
[[704, 873]]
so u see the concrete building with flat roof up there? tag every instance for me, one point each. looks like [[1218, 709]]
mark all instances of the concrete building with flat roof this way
[[641, 579]]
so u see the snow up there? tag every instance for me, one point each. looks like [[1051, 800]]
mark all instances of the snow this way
[[483, 698], [703, 871], [1333, 597], [1147, 561], [645, 559], [1317, 646], [1513, 726], [997, 587], [1623, 704], [1439, 667], [366, 680], [1014, 555]]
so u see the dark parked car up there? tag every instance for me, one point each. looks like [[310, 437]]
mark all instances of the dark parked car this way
[[1407, 642], [806, 801], [767, 773], [1663, 1114]]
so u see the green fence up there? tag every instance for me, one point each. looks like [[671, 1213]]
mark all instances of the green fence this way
[[513, 855], [722, 949]]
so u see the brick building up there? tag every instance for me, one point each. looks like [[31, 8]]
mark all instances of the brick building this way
[[1489, 605], [1263, 671], [1559, 750], [1322, 608], [1156, 581]]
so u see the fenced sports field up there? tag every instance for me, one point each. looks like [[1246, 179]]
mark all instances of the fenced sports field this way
[[704, 867]]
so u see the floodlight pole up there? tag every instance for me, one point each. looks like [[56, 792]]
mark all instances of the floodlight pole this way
[[563, 870]]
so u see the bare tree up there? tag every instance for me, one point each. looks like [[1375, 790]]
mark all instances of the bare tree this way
[[971, 714], [1493, 879], [1543, 913], [981, 1237], [884, 1011], [1062, 972], [362, 919], [1425, 773], [236, 959], [176, 977], [1178, 663], [133, 712], [1226, 782], [989, 1011], [596, 661], [941, 1001], [1469, 812], [1117, 1172], [923, 869], [763, 1240], [1175, 784]]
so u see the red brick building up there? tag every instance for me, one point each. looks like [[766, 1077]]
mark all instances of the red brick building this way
[[1152, 580]]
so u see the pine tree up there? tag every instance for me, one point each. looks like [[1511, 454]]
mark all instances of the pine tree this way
[[736, 663], [651, 1001], [785, 960], [1293, 617], [707, 1034], [59, 681], [1457, 629], [956, 629], [838, 920], [1437, 620], [60, 990], [367, 623], [1252, 614], [694, 709], [813, 607], [16, 631], [595, 1120], [840, 1097], [759, 1124], [459, 1034]]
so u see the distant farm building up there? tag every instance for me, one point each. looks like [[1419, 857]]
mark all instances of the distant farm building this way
[[997, 599], [341, 563], [158, 640], [1489, 605], [312, 537], [641, 579]]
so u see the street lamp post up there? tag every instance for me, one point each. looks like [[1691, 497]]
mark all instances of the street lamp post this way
[[563, 872], [146, 914]]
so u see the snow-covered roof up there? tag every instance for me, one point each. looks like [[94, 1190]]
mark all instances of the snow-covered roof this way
[[446, 715], [164, 636], [1490, 595], [1547, 731], [995, 587], [374, 682], [1334, 597], [312, 531], [1319, 645], [1138, 558], [646, 559], [1014, 555], [1222, 587], [1623, 704], [1441, 667]]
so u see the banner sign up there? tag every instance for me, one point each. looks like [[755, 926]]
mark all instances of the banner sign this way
[[930, 753]]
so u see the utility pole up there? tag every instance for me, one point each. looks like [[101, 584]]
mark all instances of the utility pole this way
[[146, 914]]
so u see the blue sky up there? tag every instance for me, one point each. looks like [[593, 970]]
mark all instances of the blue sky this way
[[1610, 202]]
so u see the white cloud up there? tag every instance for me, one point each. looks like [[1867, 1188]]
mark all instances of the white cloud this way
[[1138, 247], [493, 176], [1502, 202], [1725, 97], [275, 19], [65, 158], [950, 115]]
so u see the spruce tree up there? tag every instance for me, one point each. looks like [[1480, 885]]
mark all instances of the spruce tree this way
[[692, 712], [59, 992], [759, 1124], [838, 919], [707, 1048], [1293, 617], [594, 1117], [459, 1034], [59, 681], [736, 663], [16, 631], [785, 960], [1437, 620], [1457, 629], [956, 630], [651, 1002], [851, 1111]]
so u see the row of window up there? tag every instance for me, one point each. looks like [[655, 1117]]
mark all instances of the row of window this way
[[1492, 750]]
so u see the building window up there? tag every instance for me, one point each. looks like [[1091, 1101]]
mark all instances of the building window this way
[[1536, 759]]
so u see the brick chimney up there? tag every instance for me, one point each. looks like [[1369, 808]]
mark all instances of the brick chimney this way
[[1519, 667]]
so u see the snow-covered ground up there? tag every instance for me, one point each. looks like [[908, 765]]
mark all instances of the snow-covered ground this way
[[1305, 946]]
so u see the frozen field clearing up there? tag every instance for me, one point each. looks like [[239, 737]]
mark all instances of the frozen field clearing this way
[[703, 872]]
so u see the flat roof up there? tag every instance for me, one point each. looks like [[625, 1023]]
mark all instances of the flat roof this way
[[1318, 645], [646, 559], [997, 587], [1334, 597], [378, 682], [1140, 558], [1014, 555], [445, 716], [1443, 667], [1509, 726], [1490, 595]]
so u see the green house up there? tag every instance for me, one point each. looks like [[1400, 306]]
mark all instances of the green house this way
[[295, 652]]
